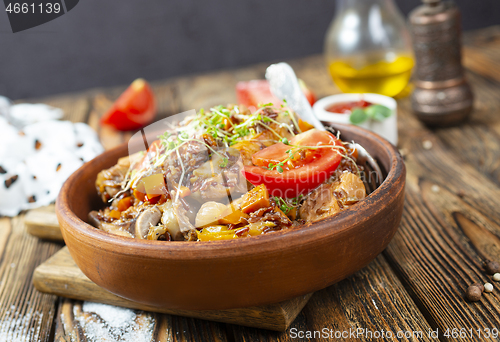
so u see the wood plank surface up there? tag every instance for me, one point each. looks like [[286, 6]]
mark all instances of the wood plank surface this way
[[43, 224], [450, 224], [215, 88], [25, 313], [372, 300], [61, 276]]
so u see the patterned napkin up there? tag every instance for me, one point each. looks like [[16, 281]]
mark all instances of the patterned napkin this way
[[38, 153]]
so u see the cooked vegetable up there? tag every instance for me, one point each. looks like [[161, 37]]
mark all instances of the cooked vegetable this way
[[233, 216], [221, 232], [170, 221], [228, 173], [256, 198], [125, 203], [296, 167], [209, 213], [147, 219]]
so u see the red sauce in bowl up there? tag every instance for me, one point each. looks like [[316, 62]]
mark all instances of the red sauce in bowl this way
[[346, 107]]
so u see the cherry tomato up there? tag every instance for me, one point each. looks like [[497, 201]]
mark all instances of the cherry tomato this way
[[135, 108], [255, 92], [305, 171]]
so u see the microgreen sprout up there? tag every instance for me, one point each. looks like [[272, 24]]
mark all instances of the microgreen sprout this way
[[278, 167], [281, 203], [227, 126], [224, 162], [292, 152], [288, 204]]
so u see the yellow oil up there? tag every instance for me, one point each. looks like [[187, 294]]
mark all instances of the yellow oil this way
[[386, 78]]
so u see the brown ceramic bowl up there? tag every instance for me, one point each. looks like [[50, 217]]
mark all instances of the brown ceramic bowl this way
[[237, 273]]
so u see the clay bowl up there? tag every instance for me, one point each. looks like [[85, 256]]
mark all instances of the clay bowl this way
[[238, 273]]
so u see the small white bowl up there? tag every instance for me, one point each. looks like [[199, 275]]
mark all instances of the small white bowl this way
[[388, 128]]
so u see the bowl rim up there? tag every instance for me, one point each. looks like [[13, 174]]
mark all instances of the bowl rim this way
[[322, 103], [320, 106], [307, 234]]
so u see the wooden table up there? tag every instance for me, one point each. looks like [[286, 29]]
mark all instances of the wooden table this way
[[451, 223]]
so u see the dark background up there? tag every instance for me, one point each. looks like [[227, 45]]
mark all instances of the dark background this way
[[105, 43]]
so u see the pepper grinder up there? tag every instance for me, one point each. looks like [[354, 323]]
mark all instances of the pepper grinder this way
[[442, 96]]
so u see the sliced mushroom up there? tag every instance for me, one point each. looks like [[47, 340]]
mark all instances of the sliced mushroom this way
[[148, 218], [170, 221], [94, 219]]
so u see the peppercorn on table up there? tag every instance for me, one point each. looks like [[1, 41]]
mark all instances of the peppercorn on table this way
[[415, 290]]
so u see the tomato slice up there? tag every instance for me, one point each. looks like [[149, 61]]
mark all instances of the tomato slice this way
[[307, 170], [255, 92], [135, 108]]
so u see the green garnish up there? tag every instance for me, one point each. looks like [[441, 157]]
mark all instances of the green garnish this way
[[375, 112], [358, 116], [224, 162], [283, 205], [287, 205], [378, 112]]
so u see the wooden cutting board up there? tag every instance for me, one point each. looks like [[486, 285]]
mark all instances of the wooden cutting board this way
[[60, 275]]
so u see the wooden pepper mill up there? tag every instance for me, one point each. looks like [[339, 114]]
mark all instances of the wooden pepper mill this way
[[442, 96]]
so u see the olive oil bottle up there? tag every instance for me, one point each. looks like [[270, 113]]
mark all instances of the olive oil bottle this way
[[368, 47], [386, 78]]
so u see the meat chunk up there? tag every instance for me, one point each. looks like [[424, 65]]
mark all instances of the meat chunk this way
[[247, 150], [320, 204], [117, 228], [329, 199], [216, 180], [109, 181], [351, 189]]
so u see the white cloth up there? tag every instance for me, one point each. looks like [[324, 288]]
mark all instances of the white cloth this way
[[38, 155]]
